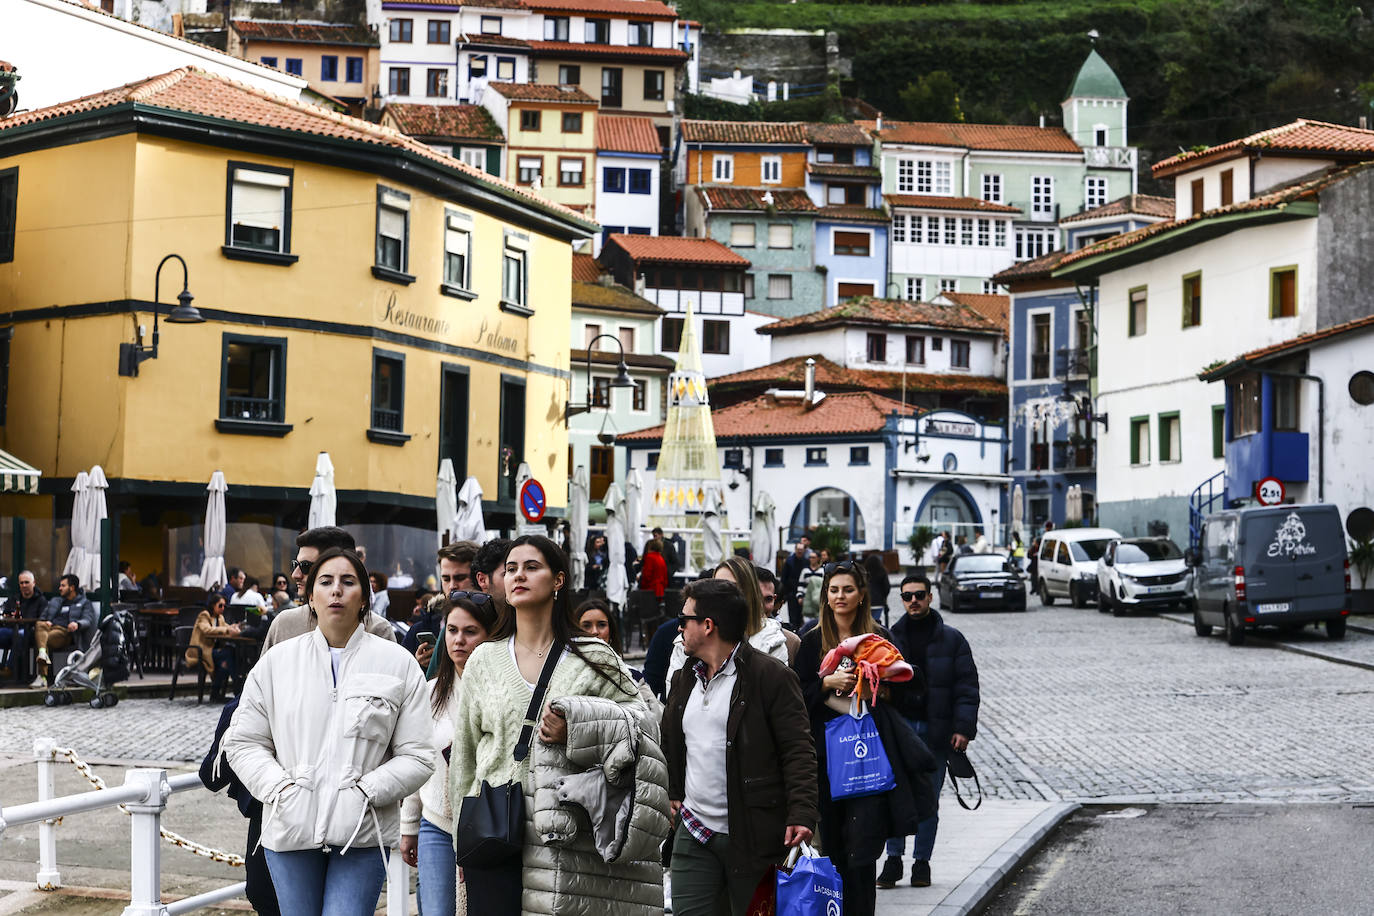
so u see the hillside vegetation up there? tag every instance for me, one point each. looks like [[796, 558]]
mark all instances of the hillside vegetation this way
[[1198, 71]]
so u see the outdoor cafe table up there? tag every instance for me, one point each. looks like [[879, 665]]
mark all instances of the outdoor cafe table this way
[[160, 645]]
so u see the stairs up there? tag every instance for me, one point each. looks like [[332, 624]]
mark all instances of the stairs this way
[[1203, 501]]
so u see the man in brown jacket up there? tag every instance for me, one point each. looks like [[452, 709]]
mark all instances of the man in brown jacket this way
[[741, 763]]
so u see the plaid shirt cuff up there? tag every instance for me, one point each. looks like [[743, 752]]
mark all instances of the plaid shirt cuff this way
[[699, 831]]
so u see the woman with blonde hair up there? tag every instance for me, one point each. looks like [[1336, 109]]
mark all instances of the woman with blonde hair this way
[[763, 631]]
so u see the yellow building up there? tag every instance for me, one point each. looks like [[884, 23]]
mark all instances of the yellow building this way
[[363, 295], [337, 60], [550, 139]]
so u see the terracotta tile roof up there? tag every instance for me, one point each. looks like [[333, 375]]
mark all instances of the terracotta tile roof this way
[[582, 49], [627, 135], [852, 213], [992, 306], [929, 202], [1130, 205], [458, 122], [585, 269], [840, 170], [655, 362], [1035, 269], [785, 200], [312, 33], [479, 40], [672, 249], [1307, 187], [790, 133], [207, 95], [541, 92], [830, 376], [1303, 137], [765, 417], [1011, 137], [867, 310], [837, 134], [1302, 340], [634, 9]]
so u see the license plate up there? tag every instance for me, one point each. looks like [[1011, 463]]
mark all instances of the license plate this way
[[990, 594], [1159, 589], [1276, 608]]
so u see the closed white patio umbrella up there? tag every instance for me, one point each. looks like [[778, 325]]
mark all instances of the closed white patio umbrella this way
[[323, 498], [712, 543], [617, 582], [1018, 509], [579, 497], [212, 572], [762, 530], [446, 504], [96, 512], [634, 510], [471, 526], [81, 540]]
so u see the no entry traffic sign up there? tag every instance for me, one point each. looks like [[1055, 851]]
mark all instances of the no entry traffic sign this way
[[532, 500], [1269, 491]]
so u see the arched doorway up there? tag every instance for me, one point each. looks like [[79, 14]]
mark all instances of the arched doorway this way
[[948, 505], [828, 506]]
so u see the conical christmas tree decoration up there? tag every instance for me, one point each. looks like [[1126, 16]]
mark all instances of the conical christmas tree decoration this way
[[687, 466]]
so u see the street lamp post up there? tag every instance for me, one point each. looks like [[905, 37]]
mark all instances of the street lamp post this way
[[132, 354], [622, 378]]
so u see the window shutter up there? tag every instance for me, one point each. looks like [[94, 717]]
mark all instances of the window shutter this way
[[780, 235], [742, 235], [259, 198], [391, 223]]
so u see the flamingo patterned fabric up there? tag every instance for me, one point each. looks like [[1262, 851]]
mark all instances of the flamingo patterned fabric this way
[[875, 657]]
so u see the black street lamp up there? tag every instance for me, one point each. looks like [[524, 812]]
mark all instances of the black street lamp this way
[[132, 354], [622, 378]]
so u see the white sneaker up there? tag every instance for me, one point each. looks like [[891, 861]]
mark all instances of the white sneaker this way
[[39, 682]]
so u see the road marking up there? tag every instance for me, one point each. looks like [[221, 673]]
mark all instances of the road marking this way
[[1027, 905]]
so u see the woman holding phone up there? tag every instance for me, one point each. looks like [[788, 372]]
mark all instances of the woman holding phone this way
[[427, 816], [332, 731]]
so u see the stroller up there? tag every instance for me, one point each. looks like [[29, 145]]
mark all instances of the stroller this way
[[112, 654]]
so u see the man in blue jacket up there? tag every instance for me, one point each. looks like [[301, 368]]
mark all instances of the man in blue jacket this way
[[945, 717], [69, 618]]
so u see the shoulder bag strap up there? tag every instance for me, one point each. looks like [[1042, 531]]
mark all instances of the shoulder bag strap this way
[[960, 798], [522, 746]]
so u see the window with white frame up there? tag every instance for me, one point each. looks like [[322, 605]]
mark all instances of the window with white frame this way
[[393, 229], [457, 249], [529, 169], [772, 169], [906, 175], [1042, 195], [723, 167], [951, 230], [1032, 242], [992, 188], [924, 180], [965, 231], [934, 177], [932, 230], [779, 286], [741, 235], [1094, 191], [984, 233], [899, 227], [989, 288], [999, 233], [780, 235], [475, 156], [949, 285], [515, 270], [259, 209], [1099, 134], [915, 288]]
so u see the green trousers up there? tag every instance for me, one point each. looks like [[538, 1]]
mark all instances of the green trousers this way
[[703, 882]]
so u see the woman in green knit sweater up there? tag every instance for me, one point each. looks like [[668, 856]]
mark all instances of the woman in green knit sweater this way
[[499, 681]]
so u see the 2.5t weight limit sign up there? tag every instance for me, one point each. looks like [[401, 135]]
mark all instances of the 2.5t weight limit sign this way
[[1269, 491], [532, 501]]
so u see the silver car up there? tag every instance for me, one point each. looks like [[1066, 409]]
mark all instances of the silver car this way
[[1141, 573]]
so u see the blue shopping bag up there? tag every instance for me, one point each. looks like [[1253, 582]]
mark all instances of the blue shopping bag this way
[[811, 887], [855, 760]]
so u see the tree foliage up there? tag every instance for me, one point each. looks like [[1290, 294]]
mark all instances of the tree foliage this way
[[933, 97]]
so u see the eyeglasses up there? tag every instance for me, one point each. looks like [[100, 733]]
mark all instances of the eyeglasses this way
[[302, 565], [477, 598], [915, 596], [683, 618], [842, 566]]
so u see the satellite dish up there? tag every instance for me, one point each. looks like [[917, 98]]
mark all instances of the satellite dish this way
[[1359, 524]]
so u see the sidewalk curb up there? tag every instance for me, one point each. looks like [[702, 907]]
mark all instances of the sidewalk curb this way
[[975, 892]]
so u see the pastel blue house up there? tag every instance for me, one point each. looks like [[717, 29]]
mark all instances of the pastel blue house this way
[[845, 184]]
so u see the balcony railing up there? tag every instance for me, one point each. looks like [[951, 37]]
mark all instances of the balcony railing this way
[[1071, 457], [1040, 365], [268, 410], [1073, 363], [1110, 157], [389, 420], [1040, 456]]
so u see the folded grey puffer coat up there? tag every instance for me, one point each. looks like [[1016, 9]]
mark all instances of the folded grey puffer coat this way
[[600, 806]]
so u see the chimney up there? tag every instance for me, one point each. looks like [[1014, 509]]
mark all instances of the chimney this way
[[1042, 120], [810, 381], [1364, 122]]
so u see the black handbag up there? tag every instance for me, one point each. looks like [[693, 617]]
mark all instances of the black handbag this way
[[491, 824], [959, 767]]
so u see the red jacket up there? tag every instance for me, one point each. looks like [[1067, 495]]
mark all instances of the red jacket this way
[[653, 574]]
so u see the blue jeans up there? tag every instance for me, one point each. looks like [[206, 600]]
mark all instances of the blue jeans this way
[[311, 882], [437, 893], [924, 843]]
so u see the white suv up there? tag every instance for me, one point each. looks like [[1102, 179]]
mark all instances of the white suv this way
[[1067, 564], [1141, 573]]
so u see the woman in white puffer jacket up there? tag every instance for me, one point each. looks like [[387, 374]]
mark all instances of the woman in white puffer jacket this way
[[331, 732], [761, 629]]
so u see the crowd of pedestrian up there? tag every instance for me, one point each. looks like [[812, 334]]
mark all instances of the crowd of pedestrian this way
[[506, 750]]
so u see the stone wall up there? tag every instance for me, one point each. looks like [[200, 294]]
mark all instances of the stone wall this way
[[1345, 251], [784, 55]]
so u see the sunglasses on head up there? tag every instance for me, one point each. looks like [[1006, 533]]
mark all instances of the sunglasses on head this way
[[477, 598], [842, 566], [302, 565], [919, 595]]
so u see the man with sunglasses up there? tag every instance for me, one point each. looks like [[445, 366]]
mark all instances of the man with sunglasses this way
[[296, 621], [735, 727], [945, 716]]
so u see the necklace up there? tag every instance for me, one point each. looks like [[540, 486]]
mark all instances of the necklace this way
[[538, 652]]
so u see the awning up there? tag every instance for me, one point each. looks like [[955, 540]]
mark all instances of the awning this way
[[16, 476]]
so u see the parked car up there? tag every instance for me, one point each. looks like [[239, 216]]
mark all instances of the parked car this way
[[1067, 566], [1141, 574], [974, 581], [1271, 566]]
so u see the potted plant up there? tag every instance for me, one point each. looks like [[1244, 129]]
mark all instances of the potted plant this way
[[919, 541], [1362, 561], [833, 538]]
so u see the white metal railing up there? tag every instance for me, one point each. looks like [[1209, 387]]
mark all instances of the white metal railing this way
[[143, 796]]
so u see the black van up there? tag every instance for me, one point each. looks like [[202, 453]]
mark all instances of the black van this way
[[1271, 566]]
